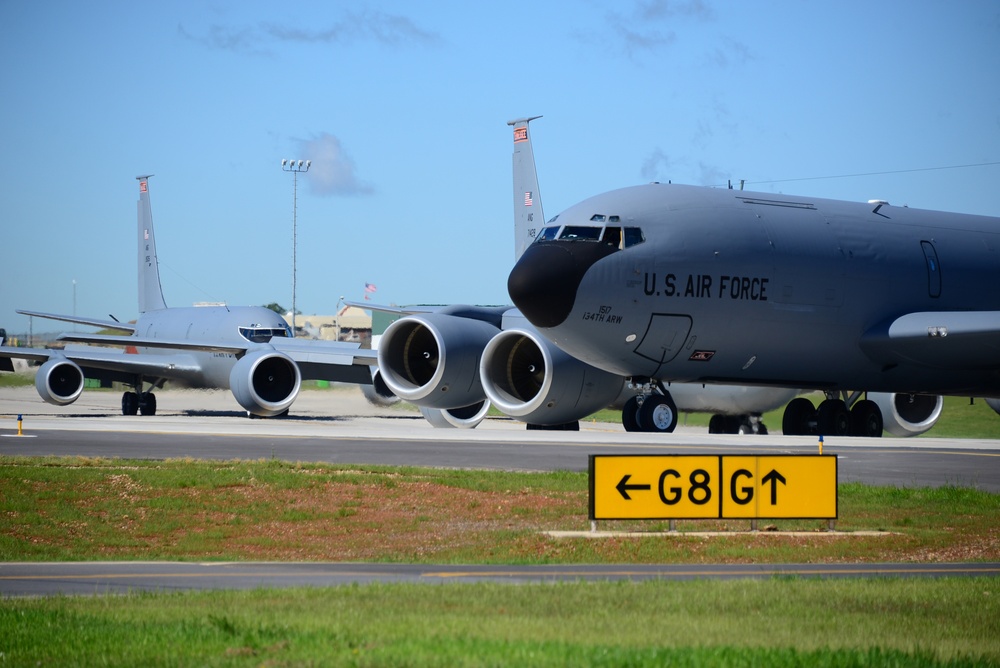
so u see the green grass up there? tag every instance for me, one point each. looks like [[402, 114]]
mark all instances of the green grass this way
[[778, 622], [91, 509]]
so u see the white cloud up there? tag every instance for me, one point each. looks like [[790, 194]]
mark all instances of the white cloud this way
[[332, 171]]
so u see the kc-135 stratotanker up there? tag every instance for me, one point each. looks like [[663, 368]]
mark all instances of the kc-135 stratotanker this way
[[248, 349], [862, 301]]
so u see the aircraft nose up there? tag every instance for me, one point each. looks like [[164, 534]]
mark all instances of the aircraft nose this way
[[544, 282]]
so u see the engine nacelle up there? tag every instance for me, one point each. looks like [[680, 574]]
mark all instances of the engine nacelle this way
[[908, 414], [994, 404], [467, 417], [528, 378], [432, 359], [378, 393], [265, 382], [59, 381]]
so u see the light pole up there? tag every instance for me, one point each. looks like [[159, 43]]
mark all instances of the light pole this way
[[294, 166]]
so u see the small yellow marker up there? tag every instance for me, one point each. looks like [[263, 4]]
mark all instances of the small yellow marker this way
[[19, 425], [821, 444]]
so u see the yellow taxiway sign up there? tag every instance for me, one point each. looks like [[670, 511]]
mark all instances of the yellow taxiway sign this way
[[713, 487]]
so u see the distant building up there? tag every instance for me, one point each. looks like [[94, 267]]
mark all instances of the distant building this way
[[349, 324]]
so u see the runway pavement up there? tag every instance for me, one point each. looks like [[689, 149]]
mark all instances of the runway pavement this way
[[339, 426], [90, 578]]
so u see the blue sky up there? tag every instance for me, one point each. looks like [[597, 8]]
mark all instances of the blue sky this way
[[402, 107]]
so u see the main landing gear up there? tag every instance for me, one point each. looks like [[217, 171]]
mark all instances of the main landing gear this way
[[139, 402], [651, 411], [737, 424], [832, 417]]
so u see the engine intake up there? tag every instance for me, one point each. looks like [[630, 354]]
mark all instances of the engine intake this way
[[908, 414], [265, 382], [530, 379], [59, 381], [432, 360], [466, 417]]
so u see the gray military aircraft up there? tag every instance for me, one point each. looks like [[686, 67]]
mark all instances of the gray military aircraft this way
[[667, 283], [247, 349], [454, 362]]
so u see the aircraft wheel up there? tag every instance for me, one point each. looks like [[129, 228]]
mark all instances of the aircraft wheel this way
[[658, 413], [746, 427], [147, 404], [798, 413], [832, 418], [717, 424], [130, 403], [630, 415], [866, 419]]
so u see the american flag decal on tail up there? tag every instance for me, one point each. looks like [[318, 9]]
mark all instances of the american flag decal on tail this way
[[527, 199]]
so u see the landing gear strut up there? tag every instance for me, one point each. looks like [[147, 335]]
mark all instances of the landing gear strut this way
[[650, 411]]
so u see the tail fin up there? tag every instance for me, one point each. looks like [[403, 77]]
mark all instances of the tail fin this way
[[150, 292], [527, 198]]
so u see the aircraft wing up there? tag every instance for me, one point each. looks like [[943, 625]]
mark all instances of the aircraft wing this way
[[115, 361], [93, 322], [336, 361], [139, 342], [395, 310], [951, 339]]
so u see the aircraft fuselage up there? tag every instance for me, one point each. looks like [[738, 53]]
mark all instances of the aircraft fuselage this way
[[745, 288]]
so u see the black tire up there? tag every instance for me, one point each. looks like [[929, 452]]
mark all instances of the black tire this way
[[866, 419], [630, 415], [147, 404], [717, 424], [798, 414], [833, 419], [130, 403], [658, 414]]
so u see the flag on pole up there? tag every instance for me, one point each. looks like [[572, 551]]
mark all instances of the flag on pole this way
[[370, 288]]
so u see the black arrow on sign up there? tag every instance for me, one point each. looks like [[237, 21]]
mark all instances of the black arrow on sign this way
[[774, 478], [623, 487]]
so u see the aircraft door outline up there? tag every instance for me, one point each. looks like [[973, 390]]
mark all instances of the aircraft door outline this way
[[665, 336], [933, 269]]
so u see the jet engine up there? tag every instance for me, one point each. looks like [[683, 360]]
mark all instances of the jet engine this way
[[908, 414], [378, 393], [59, 381], [994, 404], [528, 378], [466, 417], [265, 382], [432, 359]]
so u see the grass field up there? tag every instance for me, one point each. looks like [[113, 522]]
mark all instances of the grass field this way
[[87, 509]]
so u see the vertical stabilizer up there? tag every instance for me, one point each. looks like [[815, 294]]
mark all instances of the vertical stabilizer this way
[[528, 216], [150, 292]]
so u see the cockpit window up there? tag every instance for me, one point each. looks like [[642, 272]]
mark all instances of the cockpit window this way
[[633, 236], [548, 233], [597, 218], [612, 235], [258, 334], [580, 233]]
